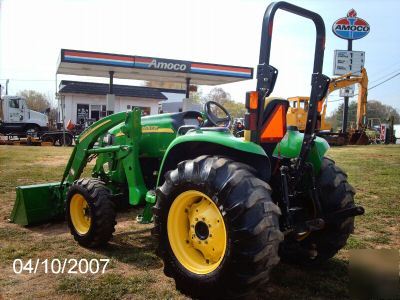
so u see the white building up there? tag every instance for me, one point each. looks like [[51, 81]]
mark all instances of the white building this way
[[81, 101], [87, 100]]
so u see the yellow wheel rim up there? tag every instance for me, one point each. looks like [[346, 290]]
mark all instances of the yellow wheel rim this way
[[196, 232], [80, 214]]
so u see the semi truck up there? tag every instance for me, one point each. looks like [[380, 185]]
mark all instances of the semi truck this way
[[17, 118]]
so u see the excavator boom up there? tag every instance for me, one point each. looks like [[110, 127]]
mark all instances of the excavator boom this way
[[299, 105]]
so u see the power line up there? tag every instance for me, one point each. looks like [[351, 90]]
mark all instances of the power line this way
[[382, 77], [386, 80], [383, 69]]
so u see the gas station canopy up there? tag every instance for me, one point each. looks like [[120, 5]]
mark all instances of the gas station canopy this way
[[97, 64]]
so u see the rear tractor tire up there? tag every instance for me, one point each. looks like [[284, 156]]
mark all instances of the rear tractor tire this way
[[217, 228], [90, 212], [335, 193]]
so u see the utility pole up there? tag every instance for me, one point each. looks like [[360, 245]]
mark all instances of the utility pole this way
[[346, 98], [7, 81]]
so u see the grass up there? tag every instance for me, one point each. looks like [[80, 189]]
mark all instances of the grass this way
[[136, 272], [108, 286]]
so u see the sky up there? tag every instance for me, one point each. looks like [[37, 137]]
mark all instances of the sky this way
[[223, 32]]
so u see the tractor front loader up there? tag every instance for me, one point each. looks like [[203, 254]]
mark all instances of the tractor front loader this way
[[225, 209]]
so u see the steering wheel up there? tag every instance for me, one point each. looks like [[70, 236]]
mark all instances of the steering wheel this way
[[215, 120]]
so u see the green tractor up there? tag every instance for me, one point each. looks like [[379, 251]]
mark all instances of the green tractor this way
[[225, 209]]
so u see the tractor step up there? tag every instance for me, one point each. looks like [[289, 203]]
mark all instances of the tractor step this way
[[345, 213]]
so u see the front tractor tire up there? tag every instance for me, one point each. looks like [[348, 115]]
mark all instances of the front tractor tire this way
[[217, 228], [335, 193], [90, 212]]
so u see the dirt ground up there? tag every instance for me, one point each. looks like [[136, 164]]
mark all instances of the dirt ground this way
[[135, 272]]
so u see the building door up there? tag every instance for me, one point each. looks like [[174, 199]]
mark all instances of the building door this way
[[95, 114], [82, 113]]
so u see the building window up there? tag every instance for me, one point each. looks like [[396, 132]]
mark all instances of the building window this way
[[97, 111], [145, 110]]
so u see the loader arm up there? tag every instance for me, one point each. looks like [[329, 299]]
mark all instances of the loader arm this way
[[44, 202], [86, 141]]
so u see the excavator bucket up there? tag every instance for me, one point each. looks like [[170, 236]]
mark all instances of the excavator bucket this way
[[358, 138], [38, 204]]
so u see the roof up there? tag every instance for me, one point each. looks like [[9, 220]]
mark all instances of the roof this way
[[93, 88], [165, 90], [99, 64]]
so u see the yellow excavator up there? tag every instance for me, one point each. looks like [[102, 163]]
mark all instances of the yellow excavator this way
[[297, 112]]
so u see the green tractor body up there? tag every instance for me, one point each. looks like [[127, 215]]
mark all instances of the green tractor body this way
[[225, 208], [157, 143]]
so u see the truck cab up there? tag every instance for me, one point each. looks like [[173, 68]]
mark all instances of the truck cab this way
[[298, 110], [16, 117]]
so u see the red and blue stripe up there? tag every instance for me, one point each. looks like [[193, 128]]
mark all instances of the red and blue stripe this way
[[143, 62], [221, 70], [99, 58]]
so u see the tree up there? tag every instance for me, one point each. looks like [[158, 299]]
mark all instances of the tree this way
[[35, 100], [375, 109], [39, 102], [219, 95], [236, 109]]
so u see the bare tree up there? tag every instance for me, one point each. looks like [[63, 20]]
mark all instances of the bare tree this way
[[39, 102], [35, 100], [219, 95]]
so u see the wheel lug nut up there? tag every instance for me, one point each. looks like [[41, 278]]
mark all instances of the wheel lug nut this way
[[203, 219], [207, 261], [196, 219]]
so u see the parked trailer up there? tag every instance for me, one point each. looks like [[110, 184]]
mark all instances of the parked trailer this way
[[46, 138]]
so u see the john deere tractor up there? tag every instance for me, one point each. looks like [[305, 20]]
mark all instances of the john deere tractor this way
[[225, 209]]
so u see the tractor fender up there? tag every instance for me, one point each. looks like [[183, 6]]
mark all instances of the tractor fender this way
[[199, 143], [290, 146]]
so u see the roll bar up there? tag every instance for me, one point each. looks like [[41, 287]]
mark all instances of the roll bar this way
[[266, 36], [267, 74]]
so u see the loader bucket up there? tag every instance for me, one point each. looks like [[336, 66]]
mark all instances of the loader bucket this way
[[37, 204]]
